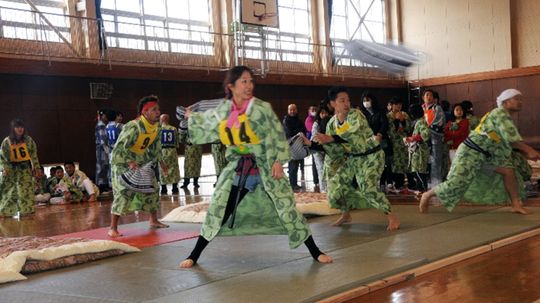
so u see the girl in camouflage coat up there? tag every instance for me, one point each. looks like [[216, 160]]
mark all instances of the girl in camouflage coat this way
[[354, 161], [399, 125], [418, 148], [252, 195], [488, 149], [18, 158], [137, 145]]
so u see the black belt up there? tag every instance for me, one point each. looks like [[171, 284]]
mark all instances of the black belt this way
[[470, 144], [368, 152], [163, 146]]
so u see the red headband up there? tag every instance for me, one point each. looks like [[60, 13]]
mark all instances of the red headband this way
[[148, 105]]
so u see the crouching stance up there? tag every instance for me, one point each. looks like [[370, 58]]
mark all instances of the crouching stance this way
[[487, 150]]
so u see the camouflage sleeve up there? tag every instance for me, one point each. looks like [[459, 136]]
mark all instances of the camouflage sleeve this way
[[203, 127], [4, 154], [32, 149], [423, 131], [276, 146]]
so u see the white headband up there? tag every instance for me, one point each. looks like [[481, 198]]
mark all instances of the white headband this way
[[506, 95]]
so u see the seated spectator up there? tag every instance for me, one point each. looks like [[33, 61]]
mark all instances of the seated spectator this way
[[42, 197], [89, 190], [62, 190]]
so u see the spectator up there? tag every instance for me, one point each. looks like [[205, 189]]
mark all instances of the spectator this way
[[42, 196], [292, 126], [62, 190], [103, 167], [170, 142], [436, 121], [78, 178]]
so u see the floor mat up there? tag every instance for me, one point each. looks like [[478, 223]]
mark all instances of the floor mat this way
[[306, 202], [138, 237]]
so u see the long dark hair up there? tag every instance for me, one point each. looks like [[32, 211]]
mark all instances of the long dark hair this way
[[17, 122], [232, 75], [374, 102]]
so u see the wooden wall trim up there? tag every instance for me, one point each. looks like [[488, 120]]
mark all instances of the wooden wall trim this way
[[126, 71], [481, 76]]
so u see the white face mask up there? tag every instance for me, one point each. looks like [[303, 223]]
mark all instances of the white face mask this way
[[367, 104], [313, 114]]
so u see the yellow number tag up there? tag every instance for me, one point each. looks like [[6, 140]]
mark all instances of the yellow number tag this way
[[238, 135], [143, 141], [19, 153]]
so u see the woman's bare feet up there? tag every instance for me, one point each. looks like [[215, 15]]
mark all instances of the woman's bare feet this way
[[92, 198], [345, 218], [324, 259], [187, 263], [393, 222], [517, 207], [113, 233]]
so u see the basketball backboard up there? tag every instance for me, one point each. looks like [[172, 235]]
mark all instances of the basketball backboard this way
[[259, 12]]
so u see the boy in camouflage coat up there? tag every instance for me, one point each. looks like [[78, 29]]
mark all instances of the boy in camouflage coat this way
[[137, 145], [354, 161]]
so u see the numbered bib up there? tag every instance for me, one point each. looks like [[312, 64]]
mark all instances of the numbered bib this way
[[112, 134], [143, 141], [340, 129], [238, 136], [168, 138], [19, 152]]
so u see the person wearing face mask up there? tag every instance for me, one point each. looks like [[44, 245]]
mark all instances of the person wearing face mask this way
[[378, 122], [310, 119], [18, 158]]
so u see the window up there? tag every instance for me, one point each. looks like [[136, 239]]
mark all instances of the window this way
[[290, 42], [181, 26], [20, 22], [347, 24]]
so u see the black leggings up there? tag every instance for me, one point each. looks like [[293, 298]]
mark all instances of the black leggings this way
[[229, 209]]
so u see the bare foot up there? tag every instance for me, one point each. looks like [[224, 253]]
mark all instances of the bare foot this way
[[345, 218], [424, 202], [325, 259], [519, 209], [393, 222], [113, 233], [158, 225], [92, 198], [187, 263]]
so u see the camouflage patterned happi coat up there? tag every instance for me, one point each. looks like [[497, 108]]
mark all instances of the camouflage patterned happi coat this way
[[494, 134], [270, 209], [17, 187], [135, 143], [343, 167], [397, 130], [170, 141]]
